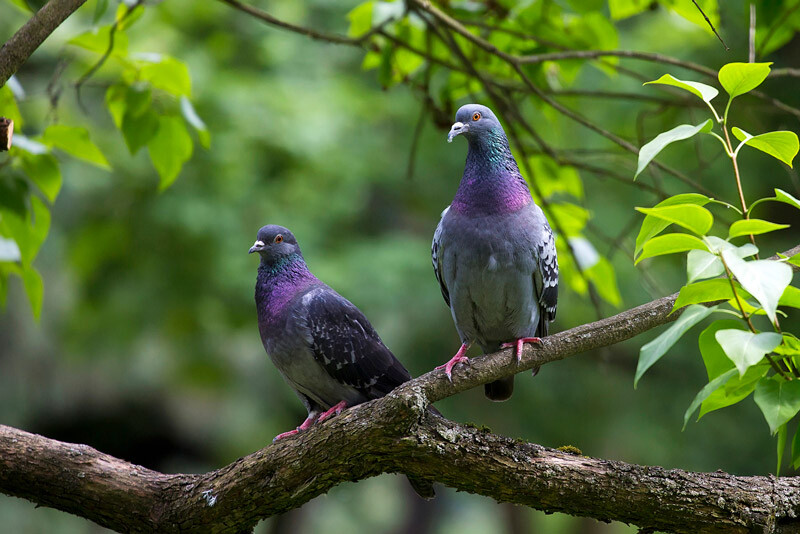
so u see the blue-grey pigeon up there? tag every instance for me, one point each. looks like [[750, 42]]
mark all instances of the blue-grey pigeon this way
[[493, 252], [323, 345]]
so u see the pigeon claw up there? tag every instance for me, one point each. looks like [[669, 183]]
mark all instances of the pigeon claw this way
[[458, 358], [310, 420], [335, 410], [285, 434], [517, 345]]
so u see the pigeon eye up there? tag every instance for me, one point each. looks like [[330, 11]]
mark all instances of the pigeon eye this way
[[476, 116], [278, 239]]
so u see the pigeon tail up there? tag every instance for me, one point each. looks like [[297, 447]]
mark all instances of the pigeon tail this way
[[499, 390]]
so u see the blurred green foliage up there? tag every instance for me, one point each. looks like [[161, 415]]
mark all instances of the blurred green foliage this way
[[147, 345]]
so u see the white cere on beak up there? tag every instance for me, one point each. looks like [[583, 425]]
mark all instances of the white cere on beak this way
[[455, 129], [258, 244]]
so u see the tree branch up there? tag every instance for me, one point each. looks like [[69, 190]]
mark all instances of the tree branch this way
[[16, 51], [398, 434]]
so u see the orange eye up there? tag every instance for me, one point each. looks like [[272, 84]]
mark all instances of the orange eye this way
[[278, 239], [476, 116]]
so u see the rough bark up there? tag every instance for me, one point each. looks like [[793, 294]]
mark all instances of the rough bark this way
[[16, 51], [397, 434]]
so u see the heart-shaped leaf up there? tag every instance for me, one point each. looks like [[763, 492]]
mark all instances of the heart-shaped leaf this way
[[651, 149], [782, 145], [746, 349], [764, 279], [778, 399], [739, 78]]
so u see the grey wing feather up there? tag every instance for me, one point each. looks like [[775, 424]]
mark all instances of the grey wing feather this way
[[436, 257], [546, 278], [348, 347]]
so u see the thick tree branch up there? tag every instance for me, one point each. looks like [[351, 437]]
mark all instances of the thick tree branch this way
[[22, 44], [398, 434]]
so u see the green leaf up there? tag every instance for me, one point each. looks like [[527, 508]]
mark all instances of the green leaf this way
[[746, 349], [740, 78], [763, 279], [605, 281], [654, 350], [778, 399], [43, 170], [691, 216], [97, 40], [34, 287], [781, 447], [191, 116], [670, 244], [704, 393], [652, 226], [735, 390], [360, 19], [753, 227], [705, 92], [28, 232], [796, 449], [75, 141], [128, 14], [99, 10], [714, 358], [679, 133], [786, 198], [8, 107], [795, 260], [704, 291], [790, 297], [782, 145], [621, 9], [701, 264], [170, 149], [168, 74]]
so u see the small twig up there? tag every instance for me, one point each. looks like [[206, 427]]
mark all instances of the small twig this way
[[711, 25], [752, 49]]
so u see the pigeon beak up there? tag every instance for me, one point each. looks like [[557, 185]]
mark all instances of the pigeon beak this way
[[457, 129], [257, 247]]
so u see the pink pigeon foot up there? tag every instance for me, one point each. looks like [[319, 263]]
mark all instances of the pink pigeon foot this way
[[458, 358], [335, 410], [310, 420], [518, 345]]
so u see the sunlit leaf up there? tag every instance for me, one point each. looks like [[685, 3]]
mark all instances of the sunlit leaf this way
[[360, 19], [670, 244], [765, 280], [168, 74], [746, 349], [740, 78], [690, 216], [170, 149], [191, 116], [652, 226], [790, 297], [679, 133], [621, 9], [735, 389], [701, 264], [75, 141], [753, 227], [705, 92], [781, 145], [714, 358], [9, 250], [783, 196], [98, 40], [654, 350], [605, 281], [778, 399]]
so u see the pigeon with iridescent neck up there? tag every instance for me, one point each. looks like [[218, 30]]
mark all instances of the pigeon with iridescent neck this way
[[493, 252], [324, 347]]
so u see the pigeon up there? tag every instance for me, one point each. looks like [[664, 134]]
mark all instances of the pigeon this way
[[493, 251], [324, 347]]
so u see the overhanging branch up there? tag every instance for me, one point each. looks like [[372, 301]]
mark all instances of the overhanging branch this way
[[398, 434], [22, 44]]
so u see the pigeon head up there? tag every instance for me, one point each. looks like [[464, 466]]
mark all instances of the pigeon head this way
[[275, 244], [476, 123]]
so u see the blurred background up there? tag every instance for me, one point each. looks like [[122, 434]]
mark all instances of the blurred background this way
[[147, 347]]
